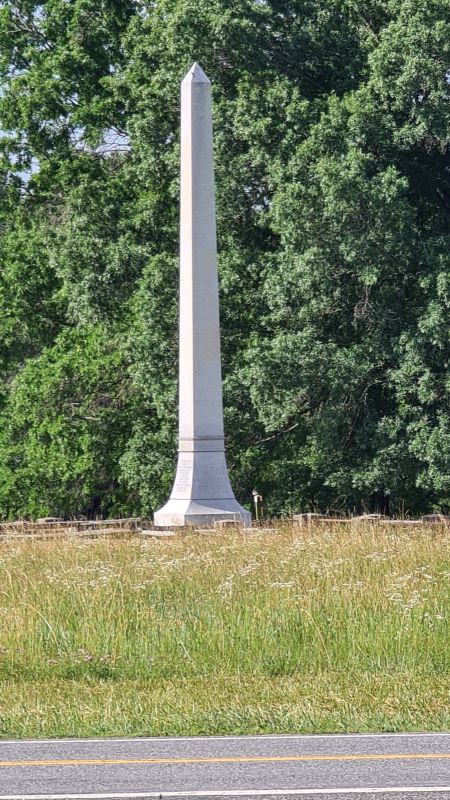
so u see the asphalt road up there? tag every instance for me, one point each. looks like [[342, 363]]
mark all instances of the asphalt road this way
[[368, 766]]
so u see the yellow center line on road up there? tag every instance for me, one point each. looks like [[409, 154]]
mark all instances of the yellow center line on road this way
[[99, 762]]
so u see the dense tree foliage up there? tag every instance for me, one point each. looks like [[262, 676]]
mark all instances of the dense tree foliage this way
[[332, 126]]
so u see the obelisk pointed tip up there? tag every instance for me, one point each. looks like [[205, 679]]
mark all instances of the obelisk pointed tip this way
[[196, 75]]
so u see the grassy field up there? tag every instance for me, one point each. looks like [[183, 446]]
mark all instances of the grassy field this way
[[330, 629]]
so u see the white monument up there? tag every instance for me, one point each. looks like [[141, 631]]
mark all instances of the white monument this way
[[202, 492]]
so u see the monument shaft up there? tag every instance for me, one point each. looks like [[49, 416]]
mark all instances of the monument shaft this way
[[202, 492], [200, 410]]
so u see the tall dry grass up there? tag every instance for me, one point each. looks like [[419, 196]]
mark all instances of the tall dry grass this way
[[232, 607], [298, 601]]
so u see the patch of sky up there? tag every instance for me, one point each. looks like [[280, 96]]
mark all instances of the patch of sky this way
[[112, 141], [143, 8]]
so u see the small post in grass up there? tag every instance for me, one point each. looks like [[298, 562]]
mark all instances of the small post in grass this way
[[257, 500]]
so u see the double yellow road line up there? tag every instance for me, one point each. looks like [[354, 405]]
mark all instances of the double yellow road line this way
[[111, 762]]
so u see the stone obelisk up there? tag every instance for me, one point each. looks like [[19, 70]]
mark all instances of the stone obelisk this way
[[201, 492]]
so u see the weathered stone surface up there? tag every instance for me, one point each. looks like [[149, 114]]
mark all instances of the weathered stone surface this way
[[308, 518], [436, 519], [225, 523]]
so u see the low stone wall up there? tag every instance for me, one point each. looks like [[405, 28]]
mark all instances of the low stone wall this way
[[52, 527], [321, 519]]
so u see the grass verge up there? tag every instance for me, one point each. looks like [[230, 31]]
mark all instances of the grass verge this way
[[305, 630], [327, 703]]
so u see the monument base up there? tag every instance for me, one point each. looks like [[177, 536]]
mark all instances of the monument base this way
[[178, 513], [201, 494]]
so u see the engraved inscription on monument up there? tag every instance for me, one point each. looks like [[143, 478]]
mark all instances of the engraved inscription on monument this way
[[183, 480]]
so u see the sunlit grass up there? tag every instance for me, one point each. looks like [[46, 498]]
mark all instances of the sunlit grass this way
[[307, 629]]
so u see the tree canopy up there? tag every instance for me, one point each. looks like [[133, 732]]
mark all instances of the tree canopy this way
[[332, 151]]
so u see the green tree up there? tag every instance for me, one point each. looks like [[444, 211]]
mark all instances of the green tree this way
[[333, 197]]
